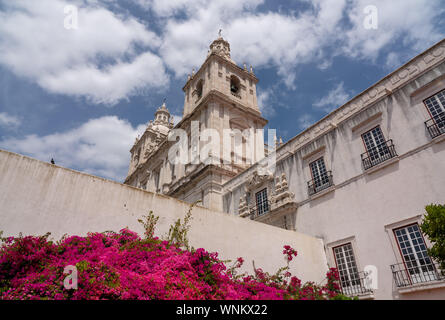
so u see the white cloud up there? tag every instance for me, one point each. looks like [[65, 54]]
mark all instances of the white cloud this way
[[168, 8], [411, 21], [335, 98], [265, 39], [305, 121], [286, 40], [110, 84], [325, 64], [393, 60], [176, 119], [264, 102], [99, 146], [98, 60], [186, 40], [9, 121]]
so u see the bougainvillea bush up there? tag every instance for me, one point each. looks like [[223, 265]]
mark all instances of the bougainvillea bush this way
[[125, 266]]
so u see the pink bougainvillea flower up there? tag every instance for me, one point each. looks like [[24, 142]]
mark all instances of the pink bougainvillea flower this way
[[123, 266]]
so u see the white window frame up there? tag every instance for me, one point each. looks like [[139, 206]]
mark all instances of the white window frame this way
[[378, 143], [435, 105], [319, 173], [351, 270], [398, 224], [311, 157], [333, 262], [413, 254]]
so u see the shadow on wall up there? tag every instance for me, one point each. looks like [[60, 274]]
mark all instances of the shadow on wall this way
[[389, 169], [326, 197], [439, 147]]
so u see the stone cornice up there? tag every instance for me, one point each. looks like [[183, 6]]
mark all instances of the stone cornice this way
[[383, 88]]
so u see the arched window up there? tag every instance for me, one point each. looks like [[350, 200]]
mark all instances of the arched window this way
[[234, 84], [199, 88]]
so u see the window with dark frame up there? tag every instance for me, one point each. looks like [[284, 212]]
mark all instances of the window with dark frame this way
[[262, 203]]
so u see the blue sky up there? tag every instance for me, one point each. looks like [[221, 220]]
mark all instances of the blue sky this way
[[81, 96]]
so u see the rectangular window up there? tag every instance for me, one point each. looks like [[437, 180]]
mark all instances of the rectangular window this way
[[262, 203], [375, 144], [347, 269], [377, 149], [320, 175], [417, 263], [436, 107]]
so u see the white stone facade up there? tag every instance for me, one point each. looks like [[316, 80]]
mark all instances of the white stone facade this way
[[368, 196], [355, 179], [219, 96]]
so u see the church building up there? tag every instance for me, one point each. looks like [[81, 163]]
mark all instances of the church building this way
[[359, 179]]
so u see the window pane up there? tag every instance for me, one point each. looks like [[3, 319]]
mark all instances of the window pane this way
[[261, 202], [319, 173], [375, 143], [414, 253], [347, 269], [436, 107]]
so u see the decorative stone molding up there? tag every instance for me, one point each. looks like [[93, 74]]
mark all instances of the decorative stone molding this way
[[282, 195], [308, 156], [365, 123], [165, 188], [152, 146], [221, 48], [256, 179], [243, 208], [282, 201]]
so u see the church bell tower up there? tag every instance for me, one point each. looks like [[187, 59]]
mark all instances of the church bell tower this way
[[220, 74], [222, 96]]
